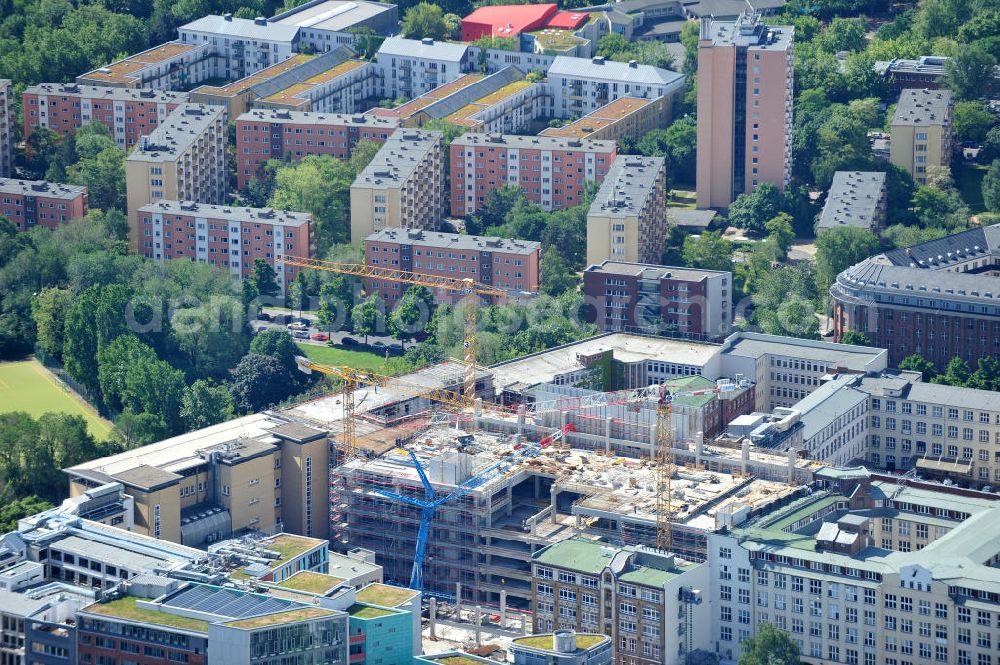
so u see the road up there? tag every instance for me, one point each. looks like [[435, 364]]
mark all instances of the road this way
[[335, 337]]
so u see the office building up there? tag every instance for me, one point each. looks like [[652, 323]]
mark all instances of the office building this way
[[627, 220], [184, 159], [563, 647], [410, 67], [6, 129], [170, 66], [325, 24], [580, 86], [403, 186], [241, 46], [229, 237], [856, 198], [30, 203], [128, 113], [262, 135], [552, 172], [256, 472], [937, 299], [659, 299], [512, 265], [921, 132], [626, 117], [927, 71], [744, 108]]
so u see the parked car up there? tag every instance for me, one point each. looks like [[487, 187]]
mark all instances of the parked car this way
[[396, 347], [263, 316], [349, 341], [300, 334], [297, 326], [378, 346], [261, 329], [321, 337]]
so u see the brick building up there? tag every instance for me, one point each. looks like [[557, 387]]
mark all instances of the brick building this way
[[551, 171], [938, 299], [129, 113], [514, 265], [278, 134], [225, 236], [31, 203], [627, 220], [6, 129], [662, 299]]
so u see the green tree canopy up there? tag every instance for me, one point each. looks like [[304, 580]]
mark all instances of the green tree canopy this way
[[425, 20], [709, 251], [751, 212], [918, 363], [991, 187], [838, 249], [770, 646], [971, 121], [971, 72], [206, 404]]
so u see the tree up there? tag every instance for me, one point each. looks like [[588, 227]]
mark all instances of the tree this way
[[48, 309], [320, 185], [986, 376], [677, 144], [784, 300], [367, 316], [11, 512], [262, 276], [856, 338], [366, 41], [425, 20], [709, 251], [298, 293], [779, 227], [957, 373], [971, 121], [412, 313], [363, 153], [493, 212], [113, 363], [991, 187], [557, 276], [917, 363], [259, 382], [751, 211], [104, 176], [454, 24], [206, 404], [971, 72], [839, 249], [770, 646], [133, 430], [153, 386], [277, 344], [336, 298]]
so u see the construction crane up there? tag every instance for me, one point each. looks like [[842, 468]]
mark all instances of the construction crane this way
[[465, 286], [664, 465], [431, 501]]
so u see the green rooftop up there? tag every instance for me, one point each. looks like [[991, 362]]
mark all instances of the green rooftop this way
[[289, 547], [384, 595], [127, 609], [579, 554], [648, 576], [456, 660], [290, 616], [810, 507], [311, 582], [366, 612], [547, 641], [687, 383]]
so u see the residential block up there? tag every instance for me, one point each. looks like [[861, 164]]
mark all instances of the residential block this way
[[241, 46], [410, 67], [626, 117], [580, 86], [921, 131], [627, 220], [855, 198], [31, 203], [6, 129], [171, 66]]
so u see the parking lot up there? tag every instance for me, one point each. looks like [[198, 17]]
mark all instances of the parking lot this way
[[376, 343]]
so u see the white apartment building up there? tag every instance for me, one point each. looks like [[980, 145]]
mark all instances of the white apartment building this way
[[410, 67], [241, 46], [580, 85]]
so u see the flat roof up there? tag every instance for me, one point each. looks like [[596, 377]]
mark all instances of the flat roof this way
[[423, 49], [628, 186], [228, 213], [280, 618], [177, 133], [609, 70], [584, 555], [398, 158], [600, 118], [247, 28], [19, 604], [547, 642], [749, 30], [128, 609], [100, 92], [289, 546], [341, 565], [335, 15], [518, 142], [41, 188], [147, 477], [439, 240], [282, 116], [919, 106], [510, 20], [244, 84], [121, 71], [650, 271], [310, 582], [385, 595], [853, 199], [756, 345]]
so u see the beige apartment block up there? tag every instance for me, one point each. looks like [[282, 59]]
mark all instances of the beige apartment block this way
[[744, 108], [402, 187], [627, 220], [182, 159], [6, 129], [921, 131]]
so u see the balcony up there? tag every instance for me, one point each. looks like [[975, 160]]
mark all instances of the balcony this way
[[357, 639]]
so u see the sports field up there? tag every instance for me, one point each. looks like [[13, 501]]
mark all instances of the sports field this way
[[27, 386]]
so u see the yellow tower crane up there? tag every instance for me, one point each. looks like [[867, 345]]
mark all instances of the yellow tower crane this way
[[467, 287], [664, 462]]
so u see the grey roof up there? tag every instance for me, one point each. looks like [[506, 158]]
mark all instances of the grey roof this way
[[19, 605], [313, 67], [756, 345], [245, 28], [870, 276], [51, 190], [425, 50], [228, 213], [227, 603], [648, 271], [421, 238], [335, 15], [940, 254], [109, 554], [146, 477], [930, 393], [827, 403], [534, 142], [627, 186], [177, 133], [689, 217], [472, 93], [723, 9], [853, 199], [920, 107], [399, 157], [609, 70], [280, 116], [297, 431], [925, 64], [751, 31], [100, 92]]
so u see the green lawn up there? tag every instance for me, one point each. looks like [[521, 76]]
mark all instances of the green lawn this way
[[970, 186], [331, 355], [27, 386]]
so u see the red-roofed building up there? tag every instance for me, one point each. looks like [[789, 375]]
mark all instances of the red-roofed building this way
[[568, 20], [506, 20]]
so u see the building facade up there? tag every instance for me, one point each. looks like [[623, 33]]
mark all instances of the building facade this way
[[184, 159], [744, 108], [170, 66], [921, 132], [31, 203], [552, 172], [927, 71], [410, 67], [241, 46], [291, 135], [514, 265], [325, 24], [6, 129], [580, 86], [626, 117], [403, 186], [128, 113], [682, 301], [627, 220]]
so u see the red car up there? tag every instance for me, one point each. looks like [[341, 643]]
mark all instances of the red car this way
[[321, 337]]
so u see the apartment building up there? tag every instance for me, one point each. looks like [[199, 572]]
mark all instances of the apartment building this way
[[937, 299], [580, 86], [744, 107], [6, 129], [513, 265], [241, 46], [291, 135], [403, 186], [921, 132], [325, 24], [348, 87], [927, 71], [855, 198], [661, 299], [257, 472], [411, 114], [627, 220], [128, 113], [184, 159], [170, 66], [646, 601], [239, 95], [31, 203], [229, 237], [552, 172], [511, 109], [410, 68], [866, 569], [626, 117]]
